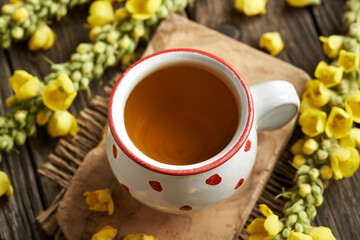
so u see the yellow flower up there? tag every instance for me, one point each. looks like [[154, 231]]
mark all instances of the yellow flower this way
[[338, 123], [100, 201], [352, 139], [251, 7], [326, 172], [142, 9], [307, 103], [332, 45], [348, 60], [106, 233], [352, 105], [329, 75], [344, 162], [62, 123], [302, 3], [298, 236], [101, 13], [20, 15], [310, 146], [42, 39], [272, 42], [320, 233], [60, 93], [5, 186], [319, 94], [139, 236], [24, 84], [267, 228], [312, 122]]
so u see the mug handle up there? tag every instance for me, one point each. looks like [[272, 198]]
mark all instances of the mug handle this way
[[276, 103]]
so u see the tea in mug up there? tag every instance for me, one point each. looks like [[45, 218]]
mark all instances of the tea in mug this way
[[181, 115]]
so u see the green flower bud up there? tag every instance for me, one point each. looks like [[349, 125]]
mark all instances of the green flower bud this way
[[76, 85], [3, 23], [87, 68], [6, 143], [319, 199], [162, 12], [76, 76], [31, 130], [61, 11], [303, 169], [303, 217], [152, 20], [101, 58], [286, 232], [299, 227], [304, 190], [33, 109], [326, 144], [20, 138], [84, 83], [99, 47], [17, 33], [76, 57], [314, 174], [126, 26], [10, 123], [84, 48], [113, 36], [309, 200], [322, 155], [138, 31], [98, 70], [302, 179], [311, 212], [291, 220], [125, 42], [2, 122], [111, 60], [316, 190], [278, 237], [295, 197]]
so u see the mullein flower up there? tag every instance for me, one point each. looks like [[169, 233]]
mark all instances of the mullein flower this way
[[60, 93], [106, 233], [352, 105], [307, 103], [321, 233], [101, 12], [348, 60], [319, 94], [267, 228], [298, 236], [251, 7], [142, 9], [327, 74], [332, 45], [272, 42], [100, 201], [338, 123], [42, 39], [61, 124], [5, 186], [139, 236], [344, 162], [24, 84], [352, 139], [302, 3], [312, 122]]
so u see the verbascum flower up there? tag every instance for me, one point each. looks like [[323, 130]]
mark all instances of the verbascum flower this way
[[352, 139], [321, 233], [312, 122], [302, 3], [24, 84], [100, 201], [272, 42], [267, 228], [338, 123], [344, 162], [42, 39], [101, 12], [106, 233], [352, 105], [62, 123], [332, 45], [348, 60], [5, 186], [142, 9], [298, 236], [251, 7], [327, 74], [307, 103], [139, 236], [60, 93], [319, 94]]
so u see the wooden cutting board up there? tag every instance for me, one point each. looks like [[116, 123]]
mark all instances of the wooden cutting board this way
[[223, 221]]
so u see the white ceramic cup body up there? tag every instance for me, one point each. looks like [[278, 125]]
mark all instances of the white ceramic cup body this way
[[188, 188]]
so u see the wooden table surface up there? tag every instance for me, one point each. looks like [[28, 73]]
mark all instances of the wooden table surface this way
[[299, 28]]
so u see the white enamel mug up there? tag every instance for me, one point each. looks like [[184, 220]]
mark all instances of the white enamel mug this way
[[188, 188]]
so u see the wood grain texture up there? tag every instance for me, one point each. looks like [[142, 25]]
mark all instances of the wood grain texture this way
[[130, 216]]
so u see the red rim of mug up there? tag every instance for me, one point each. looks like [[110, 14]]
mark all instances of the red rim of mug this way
[[204, 168]]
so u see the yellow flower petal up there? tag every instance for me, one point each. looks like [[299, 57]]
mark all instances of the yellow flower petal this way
[[42, 39], [100, 13], [348, 60], [251, 7], [272, 42], [312, 122], [62, 123], [327, 74], [298, 236], [302, 3], [272, 225], [352, 105], [297, 147], [142, 9], [332, 45], [319, 94], [139, 236], [338, 123], [344, 162], [60, 93], [352, 139], [265, 210], [24, 84], [100, 201], [106, 233], [257, 227], [5, 186], [321, 233]]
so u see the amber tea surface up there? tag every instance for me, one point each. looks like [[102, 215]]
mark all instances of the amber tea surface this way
[[181, 115]]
